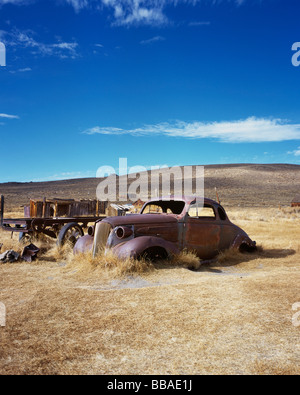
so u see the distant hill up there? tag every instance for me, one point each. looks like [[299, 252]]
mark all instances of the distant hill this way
[[237, 184]]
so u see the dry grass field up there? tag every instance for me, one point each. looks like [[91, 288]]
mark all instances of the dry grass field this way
[[232, 316]]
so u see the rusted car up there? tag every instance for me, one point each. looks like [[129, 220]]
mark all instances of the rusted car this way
[[165, 227]]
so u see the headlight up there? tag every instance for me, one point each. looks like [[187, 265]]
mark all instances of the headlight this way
[[122, 232], [91, 231]]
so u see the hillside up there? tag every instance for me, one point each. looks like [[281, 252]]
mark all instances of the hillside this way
[[243, 185]]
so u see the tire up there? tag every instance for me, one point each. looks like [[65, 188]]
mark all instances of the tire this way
[[70, 233], [155, 254], [246, 248]]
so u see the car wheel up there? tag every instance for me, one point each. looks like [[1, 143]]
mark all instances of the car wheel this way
[[155, 254]]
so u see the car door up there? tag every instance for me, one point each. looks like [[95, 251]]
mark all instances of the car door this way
[[202, 230]]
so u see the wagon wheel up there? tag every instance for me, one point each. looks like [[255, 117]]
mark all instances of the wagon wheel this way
[[70, 233], [25, 237]]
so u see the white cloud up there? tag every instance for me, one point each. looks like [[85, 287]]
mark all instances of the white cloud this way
[[295, 152], [64, 49], [250, 130], [99, 130], [150, 12], [24, 70], [129, 12], [25, 39], [152, 40], [139, 12], [68, 46], [7, 116], [67, 176], [119, 11], [14, 2], [78, 4], [199, 23]]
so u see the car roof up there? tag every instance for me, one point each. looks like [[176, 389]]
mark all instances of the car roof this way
[[186, 199]]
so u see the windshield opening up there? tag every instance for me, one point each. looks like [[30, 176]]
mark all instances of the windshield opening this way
[[164, 207]]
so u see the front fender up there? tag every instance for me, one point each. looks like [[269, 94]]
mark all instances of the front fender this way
[[83, 245], [136, 247]]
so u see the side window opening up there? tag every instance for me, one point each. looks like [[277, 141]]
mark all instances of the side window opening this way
[[199, 211]]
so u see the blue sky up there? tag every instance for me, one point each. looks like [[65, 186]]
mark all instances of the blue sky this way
[[166, 82]]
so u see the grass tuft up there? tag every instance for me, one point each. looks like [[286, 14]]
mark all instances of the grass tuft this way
[[109, 263]]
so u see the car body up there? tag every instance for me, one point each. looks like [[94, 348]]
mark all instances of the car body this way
[[165, 227]]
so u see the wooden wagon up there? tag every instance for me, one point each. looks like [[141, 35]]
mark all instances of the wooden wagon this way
[[62, 219]]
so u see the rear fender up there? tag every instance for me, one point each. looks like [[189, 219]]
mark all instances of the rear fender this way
[[136, 247], [243, 243]]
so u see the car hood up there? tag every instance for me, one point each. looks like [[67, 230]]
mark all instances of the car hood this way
[[141, 219]]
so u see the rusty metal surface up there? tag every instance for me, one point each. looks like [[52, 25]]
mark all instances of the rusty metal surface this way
[[138, 247], [84, 244], [173, 232], [30, 252]]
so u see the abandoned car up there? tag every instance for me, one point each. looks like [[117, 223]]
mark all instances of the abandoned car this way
[[165, 227]]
